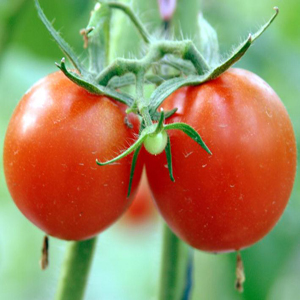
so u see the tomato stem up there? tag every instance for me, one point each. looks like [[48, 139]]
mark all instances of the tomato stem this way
[[133, 17], [75, 270], [175, 277]]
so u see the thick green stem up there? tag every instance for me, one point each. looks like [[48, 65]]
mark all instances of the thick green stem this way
[[75, 270], [175, 267], [196, 58], [140, 99]]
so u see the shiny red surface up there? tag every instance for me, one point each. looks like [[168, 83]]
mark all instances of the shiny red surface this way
[[54, 137]]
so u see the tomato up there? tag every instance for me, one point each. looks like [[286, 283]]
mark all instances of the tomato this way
[[230, 199], [142, 208], [53, 139]]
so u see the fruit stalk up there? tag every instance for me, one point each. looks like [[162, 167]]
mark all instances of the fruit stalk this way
[[75, 270], [175, 276]]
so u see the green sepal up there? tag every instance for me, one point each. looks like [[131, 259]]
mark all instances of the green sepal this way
[[264, 27], [168, 114], [160, 124], [93, 87], [237, 54], [184, 66], [64, 46], [133, 147], [190, 131], [133, 164], [170, 86], [169, 159], [129, 79]]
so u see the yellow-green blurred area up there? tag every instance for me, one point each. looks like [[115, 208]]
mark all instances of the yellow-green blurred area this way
[[127, 261]]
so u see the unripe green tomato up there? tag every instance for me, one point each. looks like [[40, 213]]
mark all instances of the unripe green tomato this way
[[157, 143]]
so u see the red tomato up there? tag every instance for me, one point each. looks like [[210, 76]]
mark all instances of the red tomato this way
[[231, 199], [54, 137], [142, 207]]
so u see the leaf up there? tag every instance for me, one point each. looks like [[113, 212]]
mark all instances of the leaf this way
[[66, 49], [190, 131], [93, 87], [169, 159], [133, 164]]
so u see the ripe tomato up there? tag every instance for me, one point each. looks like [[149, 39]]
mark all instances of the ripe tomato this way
[[53, 139], [232, 198], [142, 207]]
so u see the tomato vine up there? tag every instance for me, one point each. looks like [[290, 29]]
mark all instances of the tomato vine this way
[[157, 51]]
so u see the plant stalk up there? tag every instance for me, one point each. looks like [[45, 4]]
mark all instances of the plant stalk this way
[[175, 280], [75, 270]]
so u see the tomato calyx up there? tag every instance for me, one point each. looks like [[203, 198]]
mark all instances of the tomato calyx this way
[[153, 131]]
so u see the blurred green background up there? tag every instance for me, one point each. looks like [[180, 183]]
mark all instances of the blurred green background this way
[[126, 264]]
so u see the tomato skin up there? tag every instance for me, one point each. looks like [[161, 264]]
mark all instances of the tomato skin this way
[[231, 199], [53, 139]]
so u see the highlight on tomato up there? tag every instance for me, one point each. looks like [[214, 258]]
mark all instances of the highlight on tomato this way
[[231, 199], [54, 137]]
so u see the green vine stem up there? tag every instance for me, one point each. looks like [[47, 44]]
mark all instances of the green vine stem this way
[[75, 270], [175, 267]]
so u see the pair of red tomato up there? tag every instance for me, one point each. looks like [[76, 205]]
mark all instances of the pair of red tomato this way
[[220, 202]]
